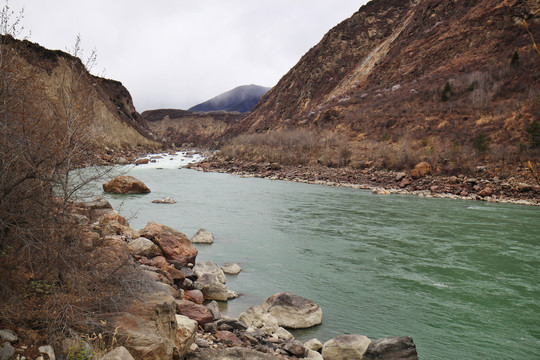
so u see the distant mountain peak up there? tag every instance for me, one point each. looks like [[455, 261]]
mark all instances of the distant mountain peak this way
[[241, 99]]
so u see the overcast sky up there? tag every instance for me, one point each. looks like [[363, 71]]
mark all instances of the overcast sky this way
[[178, 53]]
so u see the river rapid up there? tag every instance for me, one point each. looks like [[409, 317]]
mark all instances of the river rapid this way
[[460, 277]]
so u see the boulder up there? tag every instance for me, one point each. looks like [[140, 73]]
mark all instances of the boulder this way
[[169, 271], [187, 330], [231, 269], [111, 255], [9, 336], [404, 183], [213, 289], [47, 350], [231, 323], [6, 351], [257, 318], [228, 338], [142, 161], [148, 327], [313, 355], [284, 334], [293, 311], [214, 309], [197, 312], [345, 347], [487, 191], [194, 295], [237, 353], [166, 200], [144, 247], [203, 236], [125, 184], [174, 245], [119, 353], [314, 344], [209, 267], [396, 347], [295, 348], [420, 170]]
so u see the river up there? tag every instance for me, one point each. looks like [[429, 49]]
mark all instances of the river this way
[[460, 277]]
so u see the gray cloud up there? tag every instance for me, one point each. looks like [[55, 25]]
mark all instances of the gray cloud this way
[[175, 54]]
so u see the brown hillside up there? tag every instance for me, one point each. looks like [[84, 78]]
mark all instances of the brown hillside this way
[[188, 128], [114, 120], [381, 74]]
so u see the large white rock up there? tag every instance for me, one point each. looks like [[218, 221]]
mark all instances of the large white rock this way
[[345, 347], [203, 236], [293, 311], [209, 267], [314, 344]]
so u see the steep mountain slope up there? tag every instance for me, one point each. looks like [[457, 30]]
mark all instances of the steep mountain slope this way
[[424, 68], [241, 99], [61, 84]]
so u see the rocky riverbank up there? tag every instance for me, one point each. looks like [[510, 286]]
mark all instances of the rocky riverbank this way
[[173, 311], [519, 189]]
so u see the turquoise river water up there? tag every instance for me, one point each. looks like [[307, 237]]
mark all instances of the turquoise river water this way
[[460, 277]]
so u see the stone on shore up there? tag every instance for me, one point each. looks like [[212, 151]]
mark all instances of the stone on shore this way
[[203, 236], [187, 329], [345, 347], [174, 245], [125, 184], [9, 336], [237, 353], [166, 200], [6, 351], [420, 170], [231, 269], [144, 247], [395, 347], [213, 289], [293, 311], [194, 295], [119, 353], [257, 318], [142, 161], [197, 312], [148, 328], [209, 267], [314, 344]]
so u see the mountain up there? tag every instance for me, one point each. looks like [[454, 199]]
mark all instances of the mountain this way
[[57, 83], [427, 69], [240, 99]]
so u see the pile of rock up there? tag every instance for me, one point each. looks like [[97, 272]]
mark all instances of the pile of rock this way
[[170, 319]]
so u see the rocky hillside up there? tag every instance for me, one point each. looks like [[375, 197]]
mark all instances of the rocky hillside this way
[[241, 99], [60, 79], [424, 69], [186, 128]]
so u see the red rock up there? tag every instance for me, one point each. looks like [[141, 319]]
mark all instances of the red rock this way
[[124, 184], [228, 338], [194, 295], [174, 244], [197, 312], [487, 191], [174, 274], [141, 161], [404, 183]]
